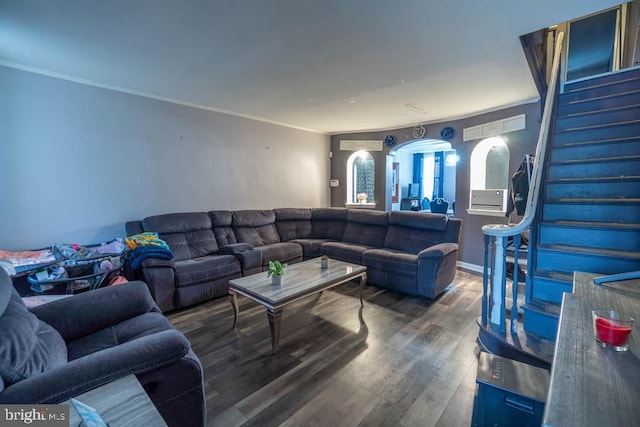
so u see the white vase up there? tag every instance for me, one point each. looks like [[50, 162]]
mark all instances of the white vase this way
[[276, 280]]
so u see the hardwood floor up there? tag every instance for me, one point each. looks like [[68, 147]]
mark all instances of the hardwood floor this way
[[401, 361]]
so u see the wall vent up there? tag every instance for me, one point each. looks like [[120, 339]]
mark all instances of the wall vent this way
[[498, 127], [356, 145]]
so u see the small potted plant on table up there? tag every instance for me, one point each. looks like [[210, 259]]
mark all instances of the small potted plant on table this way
[[275, 271]]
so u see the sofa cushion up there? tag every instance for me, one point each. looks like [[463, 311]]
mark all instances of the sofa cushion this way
[[293, 223], [128, 330], [221, 218], [28, 346], [424, 220], [221, 222], [292, 214], [255, 227], [328, 223], [414, 231], [368, 228], [344, 251], [283, 252], [188, 234], [391, 261], [311, 247], [177, 222], [204, 269]]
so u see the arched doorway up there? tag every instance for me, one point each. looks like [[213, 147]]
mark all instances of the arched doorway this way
[[421, 170]]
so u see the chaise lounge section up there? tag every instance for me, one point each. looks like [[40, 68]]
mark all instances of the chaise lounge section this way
[[410, 252], [418, 256]]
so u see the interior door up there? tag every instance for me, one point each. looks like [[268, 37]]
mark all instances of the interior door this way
[[593, 45]]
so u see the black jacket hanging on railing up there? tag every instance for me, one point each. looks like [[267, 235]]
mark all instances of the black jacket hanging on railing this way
[[520, 187]]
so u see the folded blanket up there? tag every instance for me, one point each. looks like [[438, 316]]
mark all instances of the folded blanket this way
[[141, 253], [148, 238]]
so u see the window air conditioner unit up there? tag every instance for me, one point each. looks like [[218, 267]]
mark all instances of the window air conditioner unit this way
[[489, 200]]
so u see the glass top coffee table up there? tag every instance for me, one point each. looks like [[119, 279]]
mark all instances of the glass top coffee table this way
[[299, 281]]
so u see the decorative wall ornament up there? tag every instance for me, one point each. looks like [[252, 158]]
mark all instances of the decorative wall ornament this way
[[447, 133], [419, 132], [390, 141]]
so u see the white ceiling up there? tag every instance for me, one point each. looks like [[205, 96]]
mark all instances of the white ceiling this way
[[330, 66]]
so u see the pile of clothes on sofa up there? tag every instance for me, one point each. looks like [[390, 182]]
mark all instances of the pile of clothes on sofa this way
[[147, 245]]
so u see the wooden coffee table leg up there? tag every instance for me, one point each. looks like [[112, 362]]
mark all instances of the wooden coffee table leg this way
[[363, 281], [274, 316], [233, 297]]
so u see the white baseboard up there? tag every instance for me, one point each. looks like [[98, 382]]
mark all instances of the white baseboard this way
[[471, 267]]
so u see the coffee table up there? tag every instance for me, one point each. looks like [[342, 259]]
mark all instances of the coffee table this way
[[122, 402], [299, 281]]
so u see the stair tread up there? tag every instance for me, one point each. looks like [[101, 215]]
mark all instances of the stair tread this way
[[597, 160], [600, 111], [544, 307], [587, 200], [559, 276], [591, 251], [593, 179], [604, 125], [593, 224], [599, 98], [597, 142], [569, 90]]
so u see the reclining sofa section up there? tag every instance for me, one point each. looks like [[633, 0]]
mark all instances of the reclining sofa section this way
[[410, 252]]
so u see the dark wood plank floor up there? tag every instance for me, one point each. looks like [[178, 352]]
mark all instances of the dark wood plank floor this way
[[401, 361]]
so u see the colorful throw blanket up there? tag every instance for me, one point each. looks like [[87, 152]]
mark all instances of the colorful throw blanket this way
[[147, 238]]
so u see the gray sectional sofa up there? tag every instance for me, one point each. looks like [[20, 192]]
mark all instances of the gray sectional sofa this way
[[410, 252]]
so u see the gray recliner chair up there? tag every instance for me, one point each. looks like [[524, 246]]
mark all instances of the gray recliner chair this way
[[64, 348]]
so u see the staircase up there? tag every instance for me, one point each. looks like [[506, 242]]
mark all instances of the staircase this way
[[589, 218]]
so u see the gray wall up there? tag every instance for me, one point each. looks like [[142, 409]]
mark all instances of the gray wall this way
[[449, 178], [78, 161], [519, 143], [406, 175]]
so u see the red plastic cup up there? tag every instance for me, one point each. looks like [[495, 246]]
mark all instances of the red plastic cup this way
[[612, 329]]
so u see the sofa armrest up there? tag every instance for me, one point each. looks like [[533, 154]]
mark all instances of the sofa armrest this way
[[250, 259], [158, 263], [89, 312], [438, 251], [160, 277], [138, 356], [436, 269]]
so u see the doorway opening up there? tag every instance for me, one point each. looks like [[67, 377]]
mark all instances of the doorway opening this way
[[593, 45], [422, 171]]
